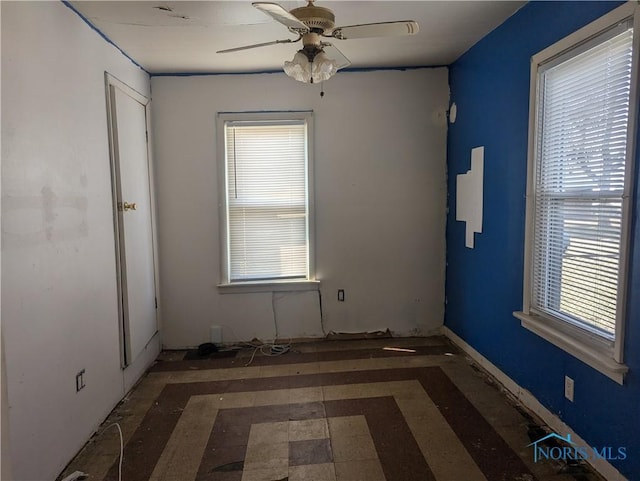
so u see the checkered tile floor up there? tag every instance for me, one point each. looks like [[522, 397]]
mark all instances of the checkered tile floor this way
[[327, 411]]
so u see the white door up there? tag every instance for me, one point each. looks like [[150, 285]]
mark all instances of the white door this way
[[132, 212]]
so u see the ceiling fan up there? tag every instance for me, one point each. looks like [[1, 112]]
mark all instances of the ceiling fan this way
[[311, 24]]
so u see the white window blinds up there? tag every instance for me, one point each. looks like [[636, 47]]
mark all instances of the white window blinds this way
[[583, 113], [267, 200]]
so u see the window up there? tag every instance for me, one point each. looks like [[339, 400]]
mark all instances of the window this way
[[578, 188], [266, 198]]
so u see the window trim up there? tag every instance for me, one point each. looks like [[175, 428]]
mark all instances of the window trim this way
[[606, 357], [268, 285]]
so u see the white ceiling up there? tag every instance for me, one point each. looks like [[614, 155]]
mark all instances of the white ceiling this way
[[183, 36]]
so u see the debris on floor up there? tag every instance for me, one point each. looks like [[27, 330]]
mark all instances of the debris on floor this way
[[354, 336]]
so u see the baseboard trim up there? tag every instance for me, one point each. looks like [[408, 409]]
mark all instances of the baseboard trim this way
[[529, 401]]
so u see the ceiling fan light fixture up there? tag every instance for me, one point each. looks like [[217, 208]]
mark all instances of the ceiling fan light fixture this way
[[321, 67], [310, 23]]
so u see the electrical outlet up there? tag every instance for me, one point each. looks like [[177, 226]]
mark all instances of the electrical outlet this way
[[568, 388], [80, 381], [341, 295]]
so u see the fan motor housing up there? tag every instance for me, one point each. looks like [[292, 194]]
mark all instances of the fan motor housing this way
[[316, 18]]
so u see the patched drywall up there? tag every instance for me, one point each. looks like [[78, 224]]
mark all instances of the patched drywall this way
[[59, 302], [490, 85], [469, 196], [379, 204]]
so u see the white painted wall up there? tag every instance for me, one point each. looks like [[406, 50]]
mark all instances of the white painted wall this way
[[380, 204], [59, 305], [5, 457], [5, 454]]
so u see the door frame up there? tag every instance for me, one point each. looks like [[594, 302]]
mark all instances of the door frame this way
[[116, 194]]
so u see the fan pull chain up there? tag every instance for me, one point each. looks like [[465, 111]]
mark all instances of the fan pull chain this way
[[321, 89]]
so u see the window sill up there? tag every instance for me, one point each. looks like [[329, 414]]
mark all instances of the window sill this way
[[268, 286], [591, 353]]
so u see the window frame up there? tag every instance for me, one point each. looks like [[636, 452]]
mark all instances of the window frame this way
[[596, 351], [266, 285]]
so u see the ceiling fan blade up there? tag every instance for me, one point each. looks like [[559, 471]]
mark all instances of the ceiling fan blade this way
[[256, 45], [384, 29], [281, 15], [335, 54]]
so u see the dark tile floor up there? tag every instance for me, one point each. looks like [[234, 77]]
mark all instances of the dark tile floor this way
[[326, 411]]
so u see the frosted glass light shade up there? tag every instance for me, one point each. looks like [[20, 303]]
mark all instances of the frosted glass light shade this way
[[322, 68], [299, 68]]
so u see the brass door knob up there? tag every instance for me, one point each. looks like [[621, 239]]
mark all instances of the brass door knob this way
[[127, 206]]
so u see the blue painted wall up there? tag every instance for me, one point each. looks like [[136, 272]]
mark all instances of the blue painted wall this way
[[490, 85]]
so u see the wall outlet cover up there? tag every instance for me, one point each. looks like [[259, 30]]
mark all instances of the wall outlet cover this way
[[568, 388]]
